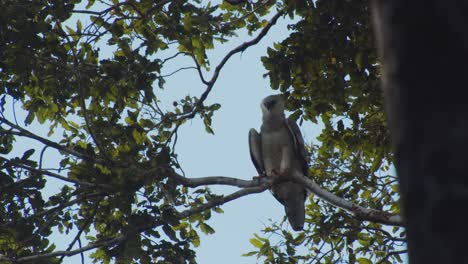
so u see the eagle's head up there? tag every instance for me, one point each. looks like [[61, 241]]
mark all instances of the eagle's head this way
[[273, 105]]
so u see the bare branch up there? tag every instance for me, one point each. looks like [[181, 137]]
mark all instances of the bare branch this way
[[14, 111], [42, 156], [236, 2], [355, 209], [178, 70], [81, 253], [358, 211], [171, 57], [88, 12], [225, 199], [200, 73], [218, 180], [391, 254]]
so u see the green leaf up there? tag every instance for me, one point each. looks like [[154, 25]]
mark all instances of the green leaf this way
[[251, 253], [90, 3], [299, 239], [218, 210], [358, 60], [139, 138], [364, 261], [209, 130], [170, 232], [27, 154], [206, 229], [295, 116], [366, 194], [79, 26], [256, 243], [29, 118]]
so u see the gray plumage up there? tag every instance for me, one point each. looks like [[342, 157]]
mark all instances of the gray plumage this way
[[278, 151]]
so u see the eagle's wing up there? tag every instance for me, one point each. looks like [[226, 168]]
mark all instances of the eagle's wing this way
[[299, 147], [255, 147]]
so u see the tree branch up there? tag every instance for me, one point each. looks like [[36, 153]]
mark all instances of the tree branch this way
[[391, 254], [200, 73], [219, 180], [217, 202], [178, 70], [55, 175], [358, 211], [236, 2], [355, 209], [25, 133]]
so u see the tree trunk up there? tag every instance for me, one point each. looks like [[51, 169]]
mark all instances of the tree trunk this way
[[424, 51]]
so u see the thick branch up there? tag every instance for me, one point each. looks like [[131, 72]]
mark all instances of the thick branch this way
[[218, 180], [355, 209], [225, 199]]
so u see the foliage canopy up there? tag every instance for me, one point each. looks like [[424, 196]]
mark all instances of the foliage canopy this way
[[121, 187]]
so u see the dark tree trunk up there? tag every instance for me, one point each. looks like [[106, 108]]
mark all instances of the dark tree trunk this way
[[424, 51]]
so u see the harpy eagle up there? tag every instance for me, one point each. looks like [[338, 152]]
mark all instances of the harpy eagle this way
[[278, 151]]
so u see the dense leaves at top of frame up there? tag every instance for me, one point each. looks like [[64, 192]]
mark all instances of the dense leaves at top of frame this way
[[90, 71]]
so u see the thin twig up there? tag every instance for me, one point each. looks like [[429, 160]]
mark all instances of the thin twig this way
[[171, 57], [85, 225], [42, 156], [81, 253], [55, 175], [178, 70], [393, 253], [234, 51], [225, 199], [25, 133]]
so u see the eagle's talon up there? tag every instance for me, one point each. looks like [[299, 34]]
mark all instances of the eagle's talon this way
[[273, 173], [259, 177]]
